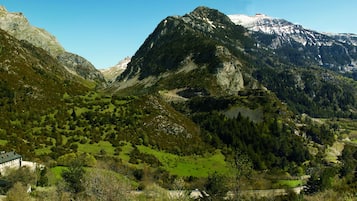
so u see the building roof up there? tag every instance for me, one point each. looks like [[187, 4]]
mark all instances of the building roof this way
[[9, 156]]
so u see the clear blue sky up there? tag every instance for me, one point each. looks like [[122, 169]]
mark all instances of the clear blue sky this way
[[106, 31]]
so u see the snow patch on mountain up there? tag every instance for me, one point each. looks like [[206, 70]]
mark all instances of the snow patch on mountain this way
[[248, 21], [348, 38], [286, 30], [323, 49]]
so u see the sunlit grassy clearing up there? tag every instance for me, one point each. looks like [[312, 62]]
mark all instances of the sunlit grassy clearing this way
[[125, 151], [3, 142], [96, 148], [290, 183], [198, 166], [41, 151]]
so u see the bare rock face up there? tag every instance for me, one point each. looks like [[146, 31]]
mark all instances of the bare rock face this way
[[165, 122], [229, 76]]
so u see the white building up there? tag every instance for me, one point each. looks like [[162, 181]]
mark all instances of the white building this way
[[9, 160]]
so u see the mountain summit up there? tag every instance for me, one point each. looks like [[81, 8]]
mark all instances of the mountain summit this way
[[202, 50], [268, 25], [300, 45]]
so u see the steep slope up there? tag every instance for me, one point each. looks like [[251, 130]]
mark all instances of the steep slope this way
[[302, 46], [296, 71], [37, 93], [18, 26], [202, 50], [82, 67], [31, 78], [345, 38]]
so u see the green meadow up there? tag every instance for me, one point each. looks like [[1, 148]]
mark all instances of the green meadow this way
[[198, 166], [97, 148]]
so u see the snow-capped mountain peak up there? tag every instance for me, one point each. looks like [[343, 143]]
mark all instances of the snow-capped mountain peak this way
[[348, 38], [315, 47], [289, 31], [285, 32], [268, 25], [248, 21]]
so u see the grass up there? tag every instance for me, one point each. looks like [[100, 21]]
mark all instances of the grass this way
[[55, 174], [290, 183], [79, 110], [97, 148], [347, 128], [41, 151], [197, 166], [333, 152], [125, 151], [3, 142]]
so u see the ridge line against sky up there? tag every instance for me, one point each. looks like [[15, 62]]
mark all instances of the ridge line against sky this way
[[106, 31]]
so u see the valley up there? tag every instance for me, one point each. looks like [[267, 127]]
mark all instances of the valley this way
[[199, 106]]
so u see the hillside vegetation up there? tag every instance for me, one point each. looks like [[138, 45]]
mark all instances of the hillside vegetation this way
[[200, 106]]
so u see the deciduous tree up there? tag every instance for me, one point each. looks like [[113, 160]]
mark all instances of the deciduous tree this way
[[18, 192], [105, 186], [74, 176], [216, 186]]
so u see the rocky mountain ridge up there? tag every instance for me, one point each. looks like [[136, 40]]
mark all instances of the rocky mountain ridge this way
[[300, 45], [348, 38], [17, 25], [204, 42]]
